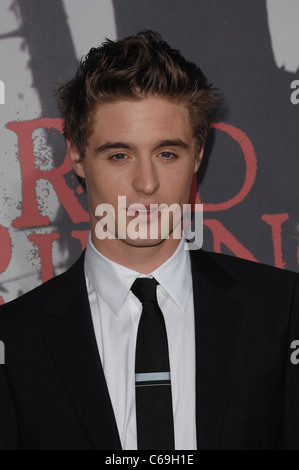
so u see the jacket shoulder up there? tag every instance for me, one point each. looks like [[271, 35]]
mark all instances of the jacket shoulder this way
[[240, 265], [257, 277], [227, 271], [32, 303]]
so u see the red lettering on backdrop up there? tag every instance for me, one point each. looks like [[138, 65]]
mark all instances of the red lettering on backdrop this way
[[31, 216], [81, 235], [44, 242], [222, 236], [275, 221], [30, 174], [251, 167], [5, 243]]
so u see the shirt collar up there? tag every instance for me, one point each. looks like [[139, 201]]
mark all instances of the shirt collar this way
[[174, 275], [113, 281]]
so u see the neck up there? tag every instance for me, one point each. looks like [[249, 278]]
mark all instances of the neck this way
[[143, 259]]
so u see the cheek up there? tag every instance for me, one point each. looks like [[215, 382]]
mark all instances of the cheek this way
[[184, 188], [181, 180], [105, 187]]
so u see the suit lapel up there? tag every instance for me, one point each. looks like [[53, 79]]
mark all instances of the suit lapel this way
[[71, 340], [217, 320]]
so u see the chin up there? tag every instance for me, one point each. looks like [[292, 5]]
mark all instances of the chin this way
[[143, 243]]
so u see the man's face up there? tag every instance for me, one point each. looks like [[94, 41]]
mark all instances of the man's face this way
[[143, 150]]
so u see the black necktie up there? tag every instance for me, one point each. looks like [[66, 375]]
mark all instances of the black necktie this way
[[152, 373]]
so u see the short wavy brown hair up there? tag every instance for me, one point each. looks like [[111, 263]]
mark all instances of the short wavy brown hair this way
[[135, 67]]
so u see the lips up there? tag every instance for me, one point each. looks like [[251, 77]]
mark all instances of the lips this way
[[136, 209], [143, 212]]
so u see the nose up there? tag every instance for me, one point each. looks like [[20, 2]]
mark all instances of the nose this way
[[145, 178]]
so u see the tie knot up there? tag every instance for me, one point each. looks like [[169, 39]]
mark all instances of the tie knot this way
[[145, 289]]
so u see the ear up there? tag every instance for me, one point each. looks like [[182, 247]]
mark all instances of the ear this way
[[198, 159], [76, 159]]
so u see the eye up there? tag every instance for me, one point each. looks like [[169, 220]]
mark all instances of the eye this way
[[118, 157], [168, 155]]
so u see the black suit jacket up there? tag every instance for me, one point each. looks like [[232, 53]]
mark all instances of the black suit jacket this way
[[53, 393]]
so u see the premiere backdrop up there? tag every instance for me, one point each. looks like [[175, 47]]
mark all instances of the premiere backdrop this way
[[248, 180]]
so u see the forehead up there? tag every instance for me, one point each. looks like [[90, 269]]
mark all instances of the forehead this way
[[142, 119]]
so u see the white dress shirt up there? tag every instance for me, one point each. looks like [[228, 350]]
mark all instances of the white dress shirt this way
[[115, 315]]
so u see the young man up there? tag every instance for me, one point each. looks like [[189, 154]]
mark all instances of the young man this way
[[143, 344]]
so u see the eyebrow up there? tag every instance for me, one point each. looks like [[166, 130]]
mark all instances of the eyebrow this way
[[122, 145], [173, 143]]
